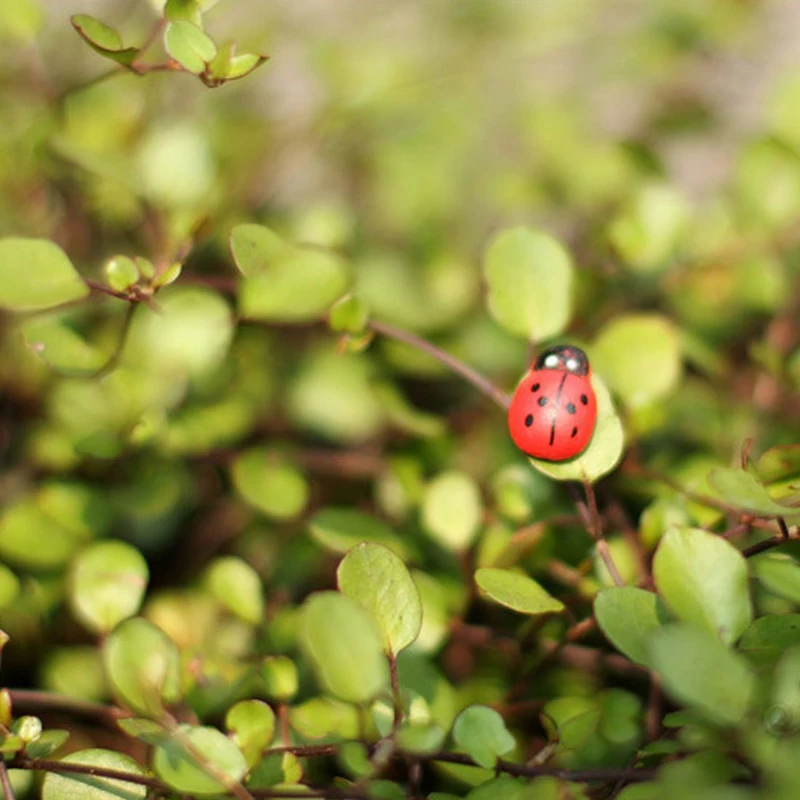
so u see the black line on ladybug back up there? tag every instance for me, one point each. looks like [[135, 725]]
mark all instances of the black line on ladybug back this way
[[555, 416]]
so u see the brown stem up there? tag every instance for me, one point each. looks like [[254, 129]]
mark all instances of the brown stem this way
[[782, 525], [397, 700], [5, 783], [33, 700], [596, 531]]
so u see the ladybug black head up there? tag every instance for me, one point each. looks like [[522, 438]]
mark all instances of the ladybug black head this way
[[564, 357]]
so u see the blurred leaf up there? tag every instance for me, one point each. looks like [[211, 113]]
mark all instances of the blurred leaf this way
[[627, 616], [228, 65], [189, 45], [420, 739], [280, 677], [344, 646], [768, 637], [376, 578], [703, 580], [640, 357], [188, 10], [36, 274], [779, 463], [530, 283], [482, 733], [121, 273], [516, 591], [237, 586], [21, 20], [570, 721], [350, 314], [103, 40], [107, 585], [340, 529], [743, 490], [252, 725], [779, 573], [46, 744], [402, 414], [452, 510], [273, 487], [61, 347], [697, 669], [72, 786], [321, 716]]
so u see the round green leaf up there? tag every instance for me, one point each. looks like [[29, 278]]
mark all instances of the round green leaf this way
[[280, 677], [237, 586], [199, 760], [480, 730], [273, 487], [640, 357], [452, 510], [377, 579], [744, 490], [697, 669], [121, 273], [189, 46], [529, 275], [340, 529], [252, 723], [779, 573], [143, 667], [73, 786], [102, 39], [604, 450], [703, 580], [107, 584], [344, 646], [627, 616], [516, 591], [36, 274]]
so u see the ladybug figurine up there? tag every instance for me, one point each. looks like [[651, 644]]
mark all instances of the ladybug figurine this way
[[554, 409]]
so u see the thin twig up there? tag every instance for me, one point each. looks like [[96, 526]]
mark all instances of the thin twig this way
[[5, 783], [33, 700], [397, 700]]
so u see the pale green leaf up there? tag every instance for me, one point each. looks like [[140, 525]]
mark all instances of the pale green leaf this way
[[516, 591], [75, 786], [269, 484], [189, 46], [237, 586], [482, 732], [452, 509]]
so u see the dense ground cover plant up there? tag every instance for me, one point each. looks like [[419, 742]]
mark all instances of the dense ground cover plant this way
[[264, 532]]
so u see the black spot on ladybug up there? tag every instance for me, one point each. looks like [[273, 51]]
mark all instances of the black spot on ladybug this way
[[584, 399], [571, 408], [529, 420], [574, 432], [535, 387], [542, 401]]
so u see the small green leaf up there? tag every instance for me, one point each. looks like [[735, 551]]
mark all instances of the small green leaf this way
[[46, 744], [121, 273], [237, 586], [199, 760], [779, 463], [480, 731], [377, 579], [268, 484], [779, 573], [75, 786], [340, 529], [604, 450], [703, 579], [627, 616], [350, 315], [452, 510], [252, 724], [280, 677], [36, 274], [60, 346], [743, 490], [344, 645], [143, 667], [570, 721], [107, 584], [768, 637], [420, 739], [530, 283], [516, 591], [152, 733], [103, 40], [189, 46], [188, 10], [324, 716], [228, 65], [697, 669], [639, 355]]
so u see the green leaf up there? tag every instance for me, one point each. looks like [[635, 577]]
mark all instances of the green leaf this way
[[73, 786], [480, 731], [639, 355], [36, 274], [340, 529], [280, 677], [323, 716], [60, 346], [284, 283], [121, 273], [349, 315], [199, 760], [237, 586], [452, 510], [703, 579], [189, 46], [344, 645], [377, 579], [152, 733], [779, 573], [768, 637], [516, 591], [277, 489], [103, 40], [143, 666], [46, 744], [108, 582], [779, 463], [529, 275], [420, 739], [743, 490], [228, 65], [604, 450], [188, 10], [252, 724], [627, 616], [570, 721], [697, 669]]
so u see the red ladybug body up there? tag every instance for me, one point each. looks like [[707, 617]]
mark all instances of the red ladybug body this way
[[554, 409]]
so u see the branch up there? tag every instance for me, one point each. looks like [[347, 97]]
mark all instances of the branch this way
[[32, 700]]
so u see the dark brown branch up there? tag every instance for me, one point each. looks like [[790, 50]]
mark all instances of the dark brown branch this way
[[33, 700], [5, 783]]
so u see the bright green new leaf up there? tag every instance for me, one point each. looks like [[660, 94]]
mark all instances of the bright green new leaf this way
[[75, 786], [639, 355], [516, 591], [530, 283], [284, 283], [36, 274], [103, 40], [252, 723], [698, 670], [344, 645], [188, 10], [480, 731], [121, 273], [604, 450], [268, 484], [228, 65], [108, 582], [340, 529], [703, 580], [199, 760], [452, 510], [280, 677], [189, 46], [627, 616], [744, 490], [143, 667], [237, 586], [779, 573], [349, 315], [377, 579]]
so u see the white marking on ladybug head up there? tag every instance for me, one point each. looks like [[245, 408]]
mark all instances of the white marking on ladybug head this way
[[572, 364], [551, 361]]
